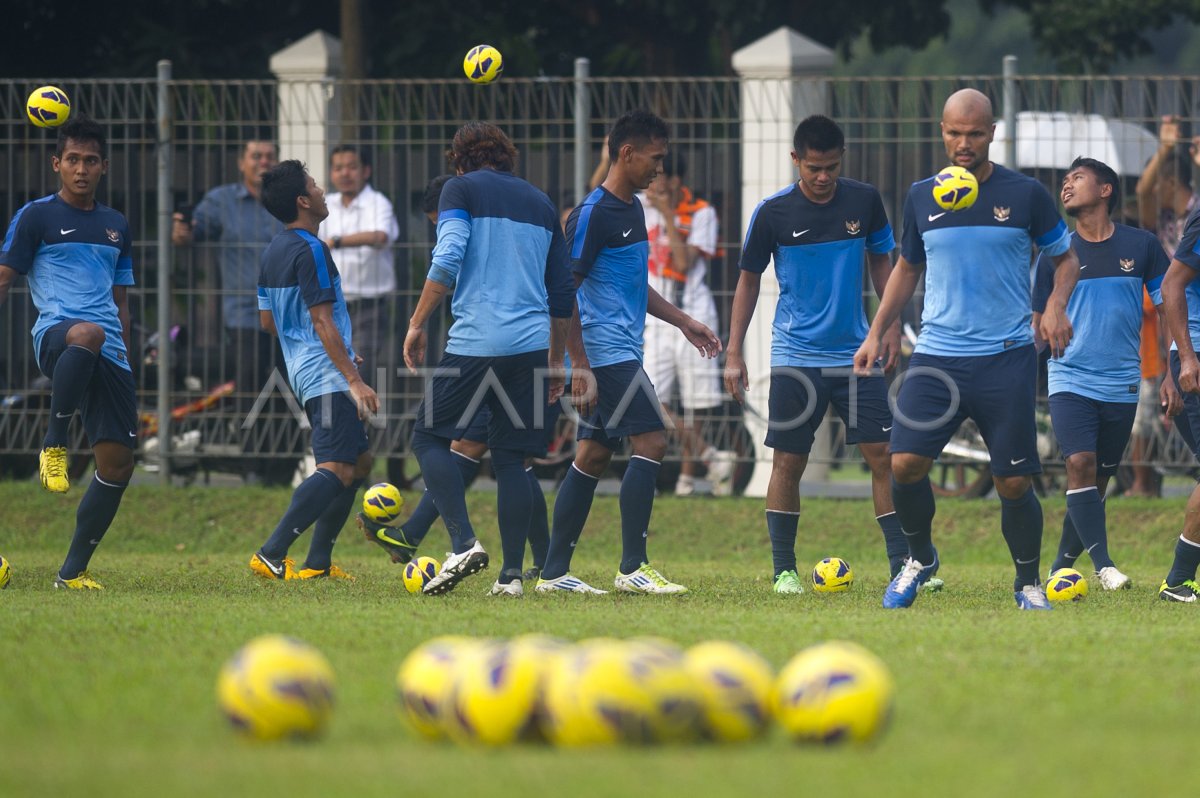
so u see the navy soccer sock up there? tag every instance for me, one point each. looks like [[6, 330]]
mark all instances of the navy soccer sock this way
[[1187, 559], [419, 523], [311, 498], [1069, 545], [1086, 510], [1021, 523], [443, 480], [915, 510], [92, 519], [72, 373], [638, 487], [514, 504], [894, 542], [329, 526], [539, 526], [781, 527], [571, 510]]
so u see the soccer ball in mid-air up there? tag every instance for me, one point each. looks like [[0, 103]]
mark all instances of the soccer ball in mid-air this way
[[420, 571], [48, 106], [955, 188], [834, 693], [382, 503], [735, 688], [483, 64], [5, 573], [1066, 584], [832, 575], [277, 687]]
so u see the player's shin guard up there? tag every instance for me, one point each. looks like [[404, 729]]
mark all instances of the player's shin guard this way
[[514, 504], [444, 482], [637, 503], [571, 510], [329, 526], [93, 518], [894, 542], [1021, 523], [1187, 559], [539, 526], [915, 508], [1086, 509], [72, 373], [423, 517], [781, 527], [310, 499]]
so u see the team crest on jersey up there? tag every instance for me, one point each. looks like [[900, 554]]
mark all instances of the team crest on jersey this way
[[853, 227], [113, 235], [1001, 214], [1126, 264]]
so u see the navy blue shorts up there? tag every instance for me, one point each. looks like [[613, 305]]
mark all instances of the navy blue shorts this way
[[1188, 420], [338, 434], [626, 405], [515, 395], [109, 405], [1089, 425], [938, 393], [800, 396]]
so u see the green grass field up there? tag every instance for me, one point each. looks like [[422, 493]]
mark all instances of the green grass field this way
[[113, 693]]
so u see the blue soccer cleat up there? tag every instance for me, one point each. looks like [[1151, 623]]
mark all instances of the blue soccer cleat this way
[[1032, 597], [902, 591]]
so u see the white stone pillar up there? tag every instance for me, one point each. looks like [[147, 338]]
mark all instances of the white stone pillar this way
[[308, 112], [783, 81]]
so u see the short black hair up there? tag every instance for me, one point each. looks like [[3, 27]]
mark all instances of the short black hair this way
[[81, 128], [1104, 173], [282, 185], [433, 194], [639, 126], [818, 133], [364, 155], [675, 165]]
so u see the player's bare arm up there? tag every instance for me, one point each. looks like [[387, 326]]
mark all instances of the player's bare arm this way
[[745, 299], [901, 285], [879, 265], [1178, 277], [266, 320], [414, 341], [1056, 327], [704, 339], [583, 383], [8, 276], [1169, 398], [558, 341], [363, 395]]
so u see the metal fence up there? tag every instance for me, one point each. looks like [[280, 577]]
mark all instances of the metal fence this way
[[893, 139]]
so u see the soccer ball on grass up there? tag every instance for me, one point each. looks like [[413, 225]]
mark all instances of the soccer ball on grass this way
[[833, 693], [277, 687], [1066, 584], [420, 571], [832, 575]]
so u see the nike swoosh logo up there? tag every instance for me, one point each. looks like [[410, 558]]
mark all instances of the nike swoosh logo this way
[[270, 566], [133, 434], [63, 232], [1018, 462], [1108, 465], [1084, 266], [93, 543], [935, 216], [888, 429], [626, 233], [63, 415], [1026, 562], [802, 232]]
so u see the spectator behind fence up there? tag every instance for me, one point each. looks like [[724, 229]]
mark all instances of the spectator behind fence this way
[[682, 231], [359, 231], [232, 217]]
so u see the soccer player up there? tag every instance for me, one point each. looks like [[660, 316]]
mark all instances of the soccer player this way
[[818, 231], [75, 253], [975, 355], [300, 301], [1094, 385], [500, 249], [609, 258]]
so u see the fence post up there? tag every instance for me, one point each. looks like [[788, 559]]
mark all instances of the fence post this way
[[164, 272], [1010, 112], [783, 80], [306, 71], [583, 114]]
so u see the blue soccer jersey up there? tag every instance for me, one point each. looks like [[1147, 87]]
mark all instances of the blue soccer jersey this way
[[298, 273], [977, 292], [1189, 253], [608, 246], [72, 259], [818, 251], [1103, 360], [499, 244]]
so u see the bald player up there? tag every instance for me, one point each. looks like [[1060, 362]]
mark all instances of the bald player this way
[[975, 355]]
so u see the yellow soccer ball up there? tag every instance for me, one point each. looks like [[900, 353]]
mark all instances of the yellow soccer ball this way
[[483, 64], [493, 696], [735, 689], [1066, 584], [382, 503], [48, 106], [5, 573], [955, 188], [418, 572], [834, 693], [564, 718], [832, 575], [424, 680], [277, 687]]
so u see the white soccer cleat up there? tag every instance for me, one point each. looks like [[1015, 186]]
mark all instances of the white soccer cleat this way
[[720, 472], [513, 588], [1112, 579], [646, 580], [456, 568], [567, 584]]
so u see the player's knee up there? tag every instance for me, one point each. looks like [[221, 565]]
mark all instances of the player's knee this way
[[788, 465], [344, 472], [473, 449], [877, 457], [89, 336], [1012, 487], [909, 468], [592, 459], [651, 445], [362, 468], [1081, 469]]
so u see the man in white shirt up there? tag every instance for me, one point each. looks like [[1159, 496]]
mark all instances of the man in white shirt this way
[[360, 230], [682, 231]]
